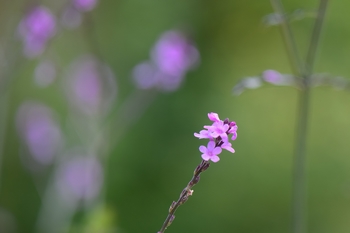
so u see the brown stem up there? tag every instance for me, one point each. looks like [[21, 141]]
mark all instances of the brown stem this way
[[184, 194]]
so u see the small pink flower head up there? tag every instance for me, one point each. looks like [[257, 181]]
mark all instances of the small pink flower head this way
[[218, 134], [210, 152]]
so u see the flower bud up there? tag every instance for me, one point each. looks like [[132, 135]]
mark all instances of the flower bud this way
[[226, 121], [205, 167], [195, 181], [171, 220], [172, 206], [198, 168]]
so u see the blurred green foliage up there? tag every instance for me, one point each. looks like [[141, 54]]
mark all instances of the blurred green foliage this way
[[249, 191]]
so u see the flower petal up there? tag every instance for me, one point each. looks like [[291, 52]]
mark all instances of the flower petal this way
[[214, 158], [234, 136], [203, 149], [213, 116], [211, 145], [228, 146], [217, 150], [205, 157]]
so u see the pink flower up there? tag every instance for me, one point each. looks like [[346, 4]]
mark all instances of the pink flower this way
[[210, 152], [218, 134]]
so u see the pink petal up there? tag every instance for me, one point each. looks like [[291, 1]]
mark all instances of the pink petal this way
[[211, 145], [234, 136], [226, 127], [213, 116], [215, 158], [217, 150], [228, 146], [224, 137], [205, 157], [203, 149]]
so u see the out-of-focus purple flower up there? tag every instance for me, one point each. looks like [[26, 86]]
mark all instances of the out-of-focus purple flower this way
[[210, 152], [91, 85], [40, 131], [45, 73], [144, 75], [272, 76], [84, 5], [71, 18], [276, 78], [80, 177], [38, 26], [172, 56]]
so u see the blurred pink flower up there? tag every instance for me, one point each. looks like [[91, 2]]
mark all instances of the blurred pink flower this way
[[35, 29], [272, 76], [40, 132], [80, 177], [90, 85], [172, 56], [85, 5]]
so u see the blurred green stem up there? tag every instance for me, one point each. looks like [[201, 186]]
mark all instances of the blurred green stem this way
[[3, 118], [305, 72], [299, 189], [288, 37]]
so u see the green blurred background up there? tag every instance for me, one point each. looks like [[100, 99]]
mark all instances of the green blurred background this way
[[249, 191]]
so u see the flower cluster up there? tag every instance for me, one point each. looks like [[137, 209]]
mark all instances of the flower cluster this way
[[218, 134]]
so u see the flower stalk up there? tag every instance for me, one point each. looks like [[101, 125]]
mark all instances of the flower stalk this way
[[185, 194]]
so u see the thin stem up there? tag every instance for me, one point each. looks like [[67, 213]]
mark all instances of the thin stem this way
[[3, 117], [293, 54], [299, 182], [315, 37], [184, 195]]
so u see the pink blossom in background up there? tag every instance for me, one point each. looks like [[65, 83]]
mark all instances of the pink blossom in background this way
[[45, 73], [80, 177], [84, 5], [35, 29], [39, 131], [144, 75], [171, 57], [272, 76], [174, 54], [90, 85]]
